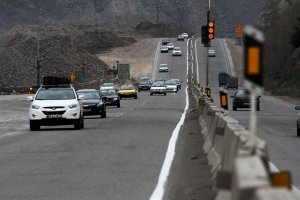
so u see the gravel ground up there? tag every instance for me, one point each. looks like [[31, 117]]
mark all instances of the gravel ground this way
[[140, 56], [14, 109]]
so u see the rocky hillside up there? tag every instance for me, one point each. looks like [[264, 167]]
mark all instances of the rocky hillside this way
[[189, 14], [280, 21], [60, 51], [229, 14]]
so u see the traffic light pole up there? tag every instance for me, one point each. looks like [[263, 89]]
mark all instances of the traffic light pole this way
[[208, 13]]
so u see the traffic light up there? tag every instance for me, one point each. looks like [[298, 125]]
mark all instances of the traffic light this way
[[253, 55], [204, 35], [211, 30]]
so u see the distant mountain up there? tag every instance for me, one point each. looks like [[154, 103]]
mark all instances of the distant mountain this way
[[229, 14], [280, 20], [189, 14]]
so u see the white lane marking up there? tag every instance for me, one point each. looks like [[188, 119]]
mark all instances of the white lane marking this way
[[295, 190], [12, 134], [158, 192], [5, 120], [197, 64], [228, 53], [224, 55]]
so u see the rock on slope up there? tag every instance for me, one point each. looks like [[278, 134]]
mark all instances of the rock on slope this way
[[61, 51]]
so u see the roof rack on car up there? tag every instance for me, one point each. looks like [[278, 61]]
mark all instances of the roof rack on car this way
[[57, 86], [55, 80]]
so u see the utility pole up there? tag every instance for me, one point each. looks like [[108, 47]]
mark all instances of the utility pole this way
[[38, 58], [208, 13]]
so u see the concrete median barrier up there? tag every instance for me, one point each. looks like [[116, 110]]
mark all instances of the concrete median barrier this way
[[240, 170], [249, 174], [273, 194]]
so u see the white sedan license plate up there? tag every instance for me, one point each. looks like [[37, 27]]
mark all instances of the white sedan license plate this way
[[54, 116]]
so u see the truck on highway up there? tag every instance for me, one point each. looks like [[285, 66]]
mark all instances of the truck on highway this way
[[233, 83], [223, 78]]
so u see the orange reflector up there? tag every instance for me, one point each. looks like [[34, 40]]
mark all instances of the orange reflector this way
[[210, 30], [208, 91], [253, 62], [281, 179], [223, 101]]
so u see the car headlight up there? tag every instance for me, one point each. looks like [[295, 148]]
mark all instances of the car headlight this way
[[99, 104], [73, 105], [115, 99], [34, 106]]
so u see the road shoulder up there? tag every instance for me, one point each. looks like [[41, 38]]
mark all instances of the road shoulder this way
[[190, 176]]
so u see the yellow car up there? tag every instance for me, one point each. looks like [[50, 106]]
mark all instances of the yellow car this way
[[128, 91]]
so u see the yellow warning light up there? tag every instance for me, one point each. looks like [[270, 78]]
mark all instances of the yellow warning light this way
[[281, 179], [210, 30], [211, 24], [253, 62], [211, 36]]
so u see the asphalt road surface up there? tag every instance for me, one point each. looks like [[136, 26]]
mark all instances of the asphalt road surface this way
[[276, 119], [119, 157]]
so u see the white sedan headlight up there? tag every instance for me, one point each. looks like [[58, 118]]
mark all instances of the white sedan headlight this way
[[34, 106], [73, 105]]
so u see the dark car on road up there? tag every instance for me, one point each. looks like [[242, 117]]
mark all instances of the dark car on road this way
[[165, 41], [241, 99], [92, 103], [111, 97], [144, 84]]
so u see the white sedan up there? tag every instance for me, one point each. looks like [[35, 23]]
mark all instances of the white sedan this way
[[170, 46], [171, 86], [185, 35], [176, 51], [163, 68], [211, 53], [164, 49], [158, 87]]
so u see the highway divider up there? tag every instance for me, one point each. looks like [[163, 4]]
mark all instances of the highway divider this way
[[240, 171]]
